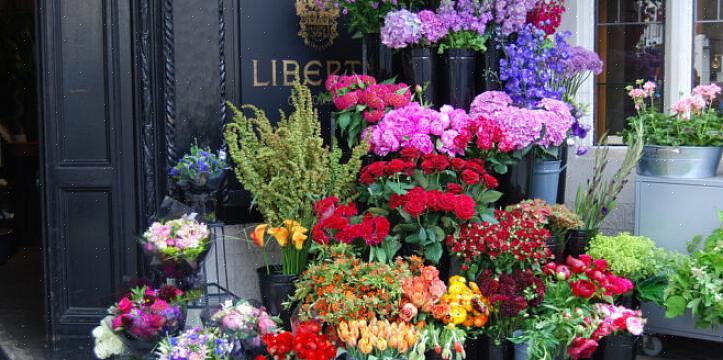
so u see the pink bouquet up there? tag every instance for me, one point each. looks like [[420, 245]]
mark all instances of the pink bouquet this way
[[183, 238]]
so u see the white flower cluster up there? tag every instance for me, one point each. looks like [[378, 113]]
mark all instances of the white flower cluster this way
[[107, 343]]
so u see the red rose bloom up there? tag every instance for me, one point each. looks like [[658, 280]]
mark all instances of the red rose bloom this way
[[440, 162], [395, 201], [464, 208], [470, 177], [454, 188], [396, 166], [415, 205], [490, 181], [447, 201], [458, 164], [377, 169], [410, 153], [583, 288]]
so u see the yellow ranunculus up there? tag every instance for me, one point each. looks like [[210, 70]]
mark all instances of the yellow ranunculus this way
[[281, 235], [455, 288], [457, 279], [457, 314], [257, 236]]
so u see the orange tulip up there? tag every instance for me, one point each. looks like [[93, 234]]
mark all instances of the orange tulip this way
[[257, 236]]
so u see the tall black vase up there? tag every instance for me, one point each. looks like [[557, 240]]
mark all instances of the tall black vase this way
[[488, 68], [516, 184], [420, 68], [577, 241], [459, 77], [618, 347], [275, 290], [378, 60], [502, 351]]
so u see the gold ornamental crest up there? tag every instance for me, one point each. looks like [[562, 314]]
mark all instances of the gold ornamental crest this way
[[317, 25]]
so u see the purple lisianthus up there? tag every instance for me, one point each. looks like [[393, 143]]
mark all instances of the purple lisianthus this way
[[581, 60]]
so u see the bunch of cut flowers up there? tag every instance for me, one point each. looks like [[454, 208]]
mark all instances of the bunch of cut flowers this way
[[179, 239], [306, 342], [368, 339], [196, 343], [291, 238], [557, 218], [341, 286], [343, 224], [140, 320], [405, 28], [360, 101], [511, 241], [428, 196], [200, 168], [244, 322]]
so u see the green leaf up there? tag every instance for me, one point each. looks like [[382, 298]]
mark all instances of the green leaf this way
[[489, 196], [421, 179], [391, 247], [378, 253], [378, 211], [396, 188], [412, 239], [674, 306], [500, 168], [433, 252], [343, 120], [438, 232], [422, 236], [405, 227]]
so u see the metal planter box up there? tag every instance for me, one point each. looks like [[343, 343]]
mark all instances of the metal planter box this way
[[672, 212]]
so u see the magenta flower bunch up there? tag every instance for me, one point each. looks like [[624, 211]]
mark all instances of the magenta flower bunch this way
[[423, 129]]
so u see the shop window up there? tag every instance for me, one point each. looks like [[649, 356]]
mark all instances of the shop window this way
[[631, 42], [708, 44]]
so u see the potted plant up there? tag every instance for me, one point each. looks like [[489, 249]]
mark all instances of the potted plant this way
[[466, 23], [416, 33], [244, 324], [597, 198], [361, 102], [287, 168], [685, 145], [177, 249], [619, 330], [199, 175], [364, 20], [162, 312], [196, 343], [633, 257], [695, 283]]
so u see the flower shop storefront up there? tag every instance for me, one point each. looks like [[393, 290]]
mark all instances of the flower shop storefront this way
[[408, 202]]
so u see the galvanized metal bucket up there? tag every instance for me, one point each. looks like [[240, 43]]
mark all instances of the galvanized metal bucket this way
[[683, 162]]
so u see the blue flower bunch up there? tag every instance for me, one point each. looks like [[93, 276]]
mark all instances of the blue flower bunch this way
[[198, 166], [195, 343], [533, 65]]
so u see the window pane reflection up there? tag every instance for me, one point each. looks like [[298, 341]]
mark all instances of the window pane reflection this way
[[708, 44], [630, 41]]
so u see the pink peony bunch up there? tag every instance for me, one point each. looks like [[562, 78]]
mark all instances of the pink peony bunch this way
[[414, 126], [362, 93]]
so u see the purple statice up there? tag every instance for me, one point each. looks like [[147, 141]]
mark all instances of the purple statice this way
[[464, 15], [401, 29], [532, 68], [433, 28], [581, 60], [510, 15]]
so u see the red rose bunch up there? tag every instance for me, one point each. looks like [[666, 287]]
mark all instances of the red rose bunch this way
[[306, 343], [514, 242], [417, 201], [589, 278], [338, 221], [511, 294], [547, 15], [148, 314]]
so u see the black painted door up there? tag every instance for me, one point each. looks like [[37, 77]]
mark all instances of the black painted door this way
[[89, 181]]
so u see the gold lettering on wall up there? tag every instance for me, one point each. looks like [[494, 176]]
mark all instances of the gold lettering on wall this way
[[285, 72], [258, 83], [308, 72], [288, 65]]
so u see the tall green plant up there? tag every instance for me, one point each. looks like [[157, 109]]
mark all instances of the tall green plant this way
[[287, 167], [598, 197]]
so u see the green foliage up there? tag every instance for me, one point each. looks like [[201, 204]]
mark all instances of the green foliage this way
[[598, 197], [463, 39], [705, 129], [287, 167], [629, 256], [696, 283]]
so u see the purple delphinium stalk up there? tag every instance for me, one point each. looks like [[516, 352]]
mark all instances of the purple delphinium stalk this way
[[532, 69]]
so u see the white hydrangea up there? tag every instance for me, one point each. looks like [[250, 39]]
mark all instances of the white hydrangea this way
[[107, 343]]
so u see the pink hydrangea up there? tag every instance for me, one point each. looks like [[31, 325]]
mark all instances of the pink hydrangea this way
[[558, 120], [489, 102]]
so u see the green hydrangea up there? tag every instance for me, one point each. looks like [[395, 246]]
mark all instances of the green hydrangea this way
[[629, 256]]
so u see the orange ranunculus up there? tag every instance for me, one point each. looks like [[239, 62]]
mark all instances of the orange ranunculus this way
[[257, 236], [281, 235]]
